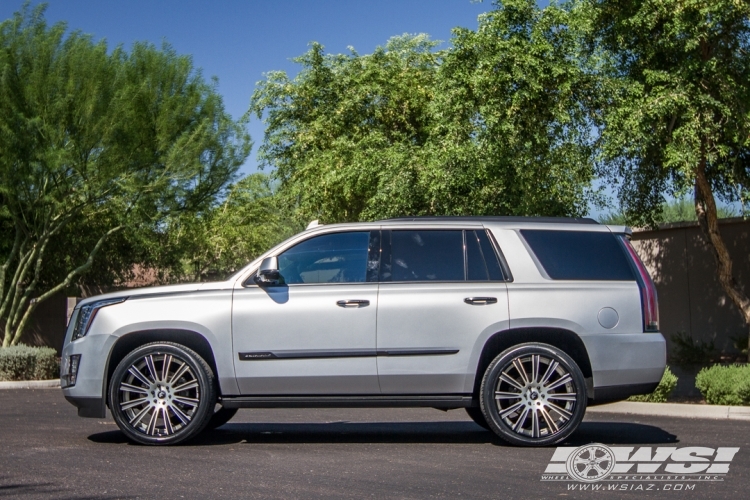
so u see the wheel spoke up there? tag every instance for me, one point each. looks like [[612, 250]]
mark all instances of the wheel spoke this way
[[180, 414], [140, 376], [186, 401], [180, 371], [125, 387], [138, 417], [519, 423], [562, 380], [167, 422], [565, 396], [511, 409], [564, 413], [165, 366], [151, 367], [535, 424], [550, 370], [507, 379], [551, 425], [534, 367], [132, 404], [151, 429], [186, 386], [521, 370], [506, 395]]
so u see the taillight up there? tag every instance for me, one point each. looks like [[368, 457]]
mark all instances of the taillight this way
[[649, 300]]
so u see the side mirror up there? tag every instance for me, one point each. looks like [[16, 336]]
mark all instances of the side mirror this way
[[268, 272]]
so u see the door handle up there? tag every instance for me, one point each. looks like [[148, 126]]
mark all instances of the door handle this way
[[353, 303], [480, 300]]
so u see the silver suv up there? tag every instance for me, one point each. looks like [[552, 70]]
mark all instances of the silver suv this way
[[521, 321]]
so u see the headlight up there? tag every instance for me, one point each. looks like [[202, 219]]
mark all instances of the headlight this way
[[87, 314]]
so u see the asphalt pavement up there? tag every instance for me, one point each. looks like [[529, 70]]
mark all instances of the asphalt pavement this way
[[46, 451]]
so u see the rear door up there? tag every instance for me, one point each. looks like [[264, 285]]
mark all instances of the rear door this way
[[440, 290]]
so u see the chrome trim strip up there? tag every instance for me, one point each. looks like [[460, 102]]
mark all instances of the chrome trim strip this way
[[341, 353]]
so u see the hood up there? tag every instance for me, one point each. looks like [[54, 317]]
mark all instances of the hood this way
[[159, 290]]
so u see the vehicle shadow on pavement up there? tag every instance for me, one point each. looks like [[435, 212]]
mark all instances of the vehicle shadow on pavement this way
[[401, 432]]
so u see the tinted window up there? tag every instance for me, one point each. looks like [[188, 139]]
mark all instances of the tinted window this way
[[579, 255], [490, 257], [329, 258], [475, 268], [425, 256]]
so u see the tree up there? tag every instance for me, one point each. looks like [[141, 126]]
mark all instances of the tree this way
[[678, 210], [675, 115], [494, 125], [221, 240], [93, 144]]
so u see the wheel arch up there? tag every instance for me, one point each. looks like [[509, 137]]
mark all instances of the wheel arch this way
[[128, 342], [565, 340]]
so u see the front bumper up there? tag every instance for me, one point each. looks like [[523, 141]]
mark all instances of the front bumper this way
[[88, 392]]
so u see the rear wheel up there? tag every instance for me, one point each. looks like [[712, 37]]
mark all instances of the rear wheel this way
[[533, 395], [162, 393]]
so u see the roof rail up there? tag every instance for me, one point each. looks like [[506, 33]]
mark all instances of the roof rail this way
[[496, 218]]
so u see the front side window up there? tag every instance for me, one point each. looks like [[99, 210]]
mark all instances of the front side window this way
[[329, 258]]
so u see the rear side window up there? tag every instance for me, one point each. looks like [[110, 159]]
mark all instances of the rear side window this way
[[579, 255], [424, 256]]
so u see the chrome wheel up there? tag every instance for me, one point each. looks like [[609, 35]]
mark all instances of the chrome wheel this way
[[159, 395], [534, 395], [162, 393]]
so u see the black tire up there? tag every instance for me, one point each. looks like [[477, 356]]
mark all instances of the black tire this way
[[171, 402], [478, 417], [540, 399], [221, 417]]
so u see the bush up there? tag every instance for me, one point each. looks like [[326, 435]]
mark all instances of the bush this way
[[663, 390], [22, 362], [689, 351], [725, 384]]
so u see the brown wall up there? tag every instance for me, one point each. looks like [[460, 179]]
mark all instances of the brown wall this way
[[684, 270]]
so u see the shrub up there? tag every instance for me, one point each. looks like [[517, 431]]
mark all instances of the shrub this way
[[725, 384], [23, 362], [689, 351], [663, 390]]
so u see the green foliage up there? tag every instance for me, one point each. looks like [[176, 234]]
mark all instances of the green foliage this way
[[690, 351], [676, 80], [21, 362], [493, 125], [99, 148], [725, 385], [662, 392], [678, 210], [249, 221]]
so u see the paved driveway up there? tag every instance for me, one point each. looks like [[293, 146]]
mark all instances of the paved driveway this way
[[46, 451]]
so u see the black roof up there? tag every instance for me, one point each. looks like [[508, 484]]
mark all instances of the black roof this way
[[496, 218]]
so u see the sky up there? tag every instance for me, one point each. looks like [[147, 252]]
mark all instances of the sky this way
[[237, 41]]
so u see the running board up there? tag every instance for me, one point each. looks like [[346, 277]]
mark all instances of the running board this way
[[442, 402]]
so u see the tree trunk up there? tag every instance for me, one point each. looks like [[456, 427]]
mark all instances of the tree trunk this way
[[705, 209]]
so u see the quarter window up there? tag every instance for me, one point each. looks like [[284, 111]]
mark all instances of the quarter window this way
[[329, 258], [579, 255]]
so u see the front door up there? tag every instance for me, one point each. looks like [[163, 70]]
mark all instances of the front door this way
[[314, 333]]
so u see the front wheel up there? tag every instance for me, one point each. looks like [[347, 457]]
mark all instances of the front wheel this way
[[162, 393], [533, 395]]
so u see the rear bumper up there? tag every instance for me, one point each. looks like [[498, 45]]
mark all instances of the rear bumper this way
[[624, 365]]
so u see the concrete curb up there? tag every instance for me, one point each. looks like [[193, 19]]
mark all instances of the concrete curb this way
[[675, 410], [31, 384]]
